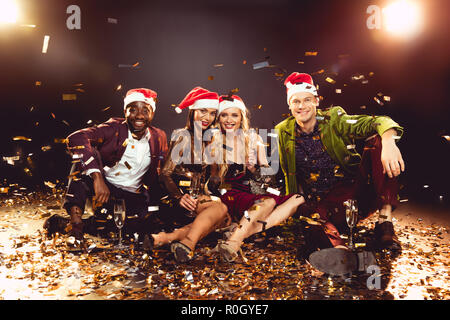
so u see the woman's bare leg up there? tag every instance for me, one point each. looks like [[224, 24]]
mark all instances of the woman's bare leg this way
[[257, 214], [211, 215], [284, 211]]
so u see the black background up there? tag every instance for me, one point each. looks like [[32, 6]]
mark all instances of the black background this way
[[177, 44]]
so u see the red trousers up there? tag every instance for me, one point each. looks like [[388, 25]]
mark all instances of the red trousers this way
[[371, 188]]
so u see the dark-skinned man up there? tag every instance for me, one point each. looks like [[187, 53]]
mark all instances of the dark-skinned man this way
[[119, 159]]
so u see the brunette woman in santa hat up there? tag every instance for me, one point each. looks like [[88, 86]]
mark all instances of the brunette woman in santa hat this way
[[244, 158], [184, 164]]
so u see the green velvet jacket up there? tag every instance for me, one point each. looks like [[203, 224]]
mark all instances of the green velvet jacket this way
[[338, 132]]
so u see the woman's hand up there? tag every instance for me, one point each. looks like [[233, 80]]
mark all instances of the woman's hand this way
[[188, 202]]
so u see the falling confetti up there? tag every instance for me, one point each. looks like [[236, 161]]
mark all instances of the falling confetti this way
[[21, 138], [260, 65], [311, 53], [330, 80], [69, 96], [45, 44]]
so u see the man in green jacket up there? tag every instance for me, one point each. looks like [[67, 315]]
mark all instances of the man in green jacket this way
[[319, 160]]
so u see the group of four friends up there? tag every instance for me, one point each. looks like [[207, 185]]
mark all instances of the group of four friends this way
[[128, 158]]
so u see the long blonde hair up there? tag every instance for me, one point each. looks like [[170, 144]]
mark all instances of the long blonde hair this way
[[220, 140]]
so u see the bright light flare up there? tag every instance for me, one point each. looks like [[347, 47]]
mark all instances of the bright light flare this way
[[403, 18], [9, 11]]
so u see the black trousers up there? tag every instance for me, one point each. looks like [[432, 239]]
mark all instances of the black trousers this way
[[136, 207]]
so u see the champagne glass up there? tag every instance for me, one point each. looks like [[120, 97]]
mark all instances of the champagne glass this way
[[351, 216], [119, 219], [194, 190]]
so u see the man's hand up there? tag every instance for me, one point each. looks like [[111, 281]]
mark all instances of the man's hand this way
[[189, 203], [100, 188], [391, 158]]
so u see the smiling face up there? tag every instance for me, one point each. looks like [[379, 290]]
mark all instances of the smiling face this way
[[205, 116], [303, 107], [230, 119], [139, 116]]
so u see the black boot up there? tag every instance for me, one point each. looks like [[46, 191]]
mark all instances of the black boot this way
[[385, 237]]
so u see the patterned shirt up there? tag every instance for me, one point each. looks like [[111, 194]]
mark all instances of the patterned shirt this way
[[316, 172]]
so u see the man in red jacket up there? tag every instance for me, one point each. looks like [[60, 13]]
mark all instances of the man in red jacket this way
[[119, 158]]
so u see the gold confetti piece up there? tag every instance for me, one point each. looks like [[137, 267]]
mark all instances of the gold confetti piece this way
[[79, 90], [378, 101], [45, 148], [28, 171], [125, 143], [244, 62], [49, 184], [363, 107], [311, 53], [135, 65], [107, 108], [235, 90], [45, 44], [351, 146], [53, 115], [119, 87], [28, 25], [446, 138], [360, 245], [314, 176], [127, 165], [218, 65], [371, 74], [309, 221], [4, 189], [66, 123], [210, 78], [184, 183], [285, 115], [318, 72], [387, 98], [300, 62], [59, 140], [258, 107], [338, 91], [38, 83], [330, 80], [69, 96], [21, 138]]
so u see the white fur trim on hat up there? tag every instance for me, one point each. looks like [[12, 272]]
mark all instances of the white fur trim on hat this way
[[137, 96], [301, 87], [205, 104], [226, 104]]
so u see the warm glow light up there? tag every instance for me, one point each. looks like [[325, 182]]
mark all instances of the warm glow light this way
[[403, 18], [9, 12]]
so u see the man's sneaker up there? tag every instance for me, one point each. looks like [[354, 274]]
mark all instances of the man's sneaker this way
[[335, 261], [385, 237]]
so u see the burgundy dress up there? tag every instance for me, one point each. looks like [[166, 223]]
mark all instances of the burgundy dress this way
[[239, 196]]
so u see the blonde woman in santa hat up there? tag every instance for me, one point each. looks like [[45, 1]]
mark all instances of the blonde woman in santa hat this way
[[243, 157], [185, 161]]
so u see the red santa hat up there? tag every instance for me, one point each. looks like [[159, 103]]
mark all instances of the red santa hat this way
[[199, 98], [299, 82], [145, 95], [234, 101]]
